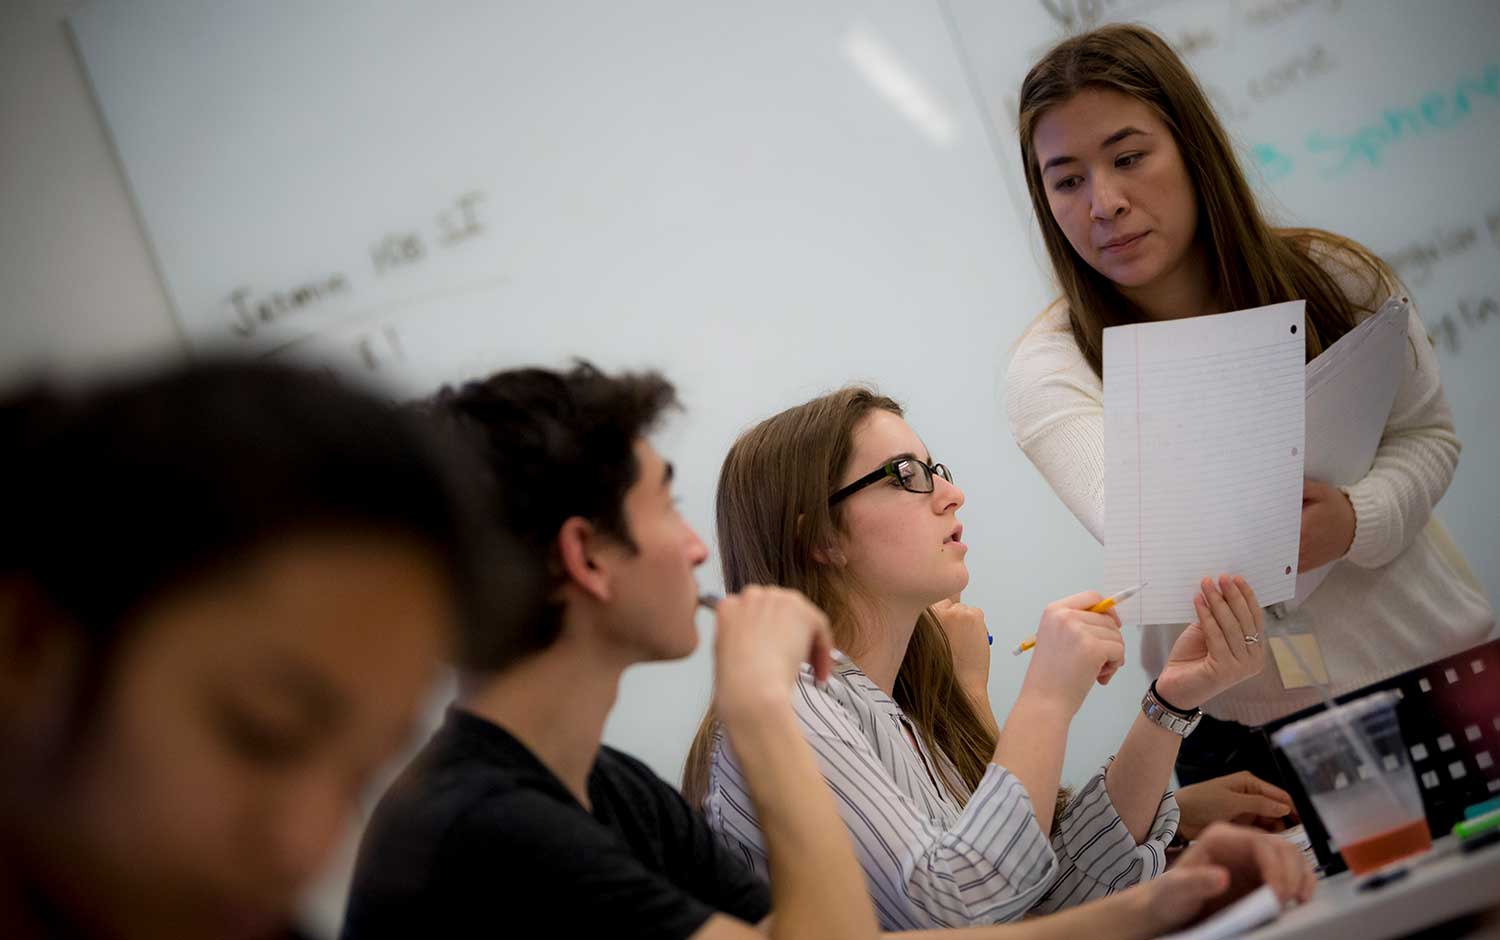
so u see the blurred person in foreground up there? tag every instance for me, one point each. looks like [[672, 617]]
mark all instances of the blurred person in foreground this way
[[225, 592]]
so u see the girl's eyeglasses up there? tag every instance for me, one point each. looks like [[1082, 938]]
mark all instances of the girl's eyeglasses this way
[[913, 475]]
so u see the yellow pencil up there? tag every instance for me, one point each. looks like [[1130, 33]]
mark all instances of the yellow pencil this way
[[1098, 608]]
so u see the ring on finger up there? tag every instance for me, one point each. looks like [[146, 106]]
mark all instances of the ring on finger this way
[[1252, 638]]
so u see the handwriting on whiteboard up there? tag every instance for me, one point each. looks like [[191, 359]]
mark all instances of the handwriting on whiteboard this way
[[250, 311]]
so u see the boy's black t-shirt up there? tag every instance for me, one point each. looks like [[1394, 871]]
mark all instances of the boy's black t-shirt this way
[[478, 836]]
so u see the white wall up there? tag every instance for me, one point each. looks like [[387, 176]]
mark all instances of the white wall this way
[[77, 286]]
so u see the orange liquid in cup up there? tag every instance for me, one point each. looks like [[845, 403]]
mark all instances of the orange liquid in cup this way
[[1385, 847]]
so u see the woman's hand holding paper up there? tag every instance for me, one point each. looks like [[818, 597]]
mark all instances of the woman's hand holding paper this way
[[1327, 525], [1224, 647]]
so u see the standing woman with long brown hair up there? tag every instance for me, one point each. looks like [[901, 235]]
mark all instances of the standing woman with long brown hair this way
[[956, 820], [1147, 216]]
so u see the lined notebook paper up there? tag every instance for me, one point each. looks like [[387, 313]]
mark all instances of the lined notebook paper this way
[[1350, 390], [1203, 449]]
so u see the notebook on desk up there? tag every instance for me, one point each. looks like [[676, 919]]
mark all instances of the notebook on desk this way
[[1258, 907]]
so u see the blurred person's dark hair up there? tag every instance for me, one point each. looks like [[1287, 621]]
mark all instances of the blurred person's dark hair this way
[[120, 494], [557, 445]]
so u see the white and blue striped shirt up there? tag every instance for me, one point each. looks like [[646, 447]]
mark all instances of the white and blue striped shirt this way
[[928, 861]]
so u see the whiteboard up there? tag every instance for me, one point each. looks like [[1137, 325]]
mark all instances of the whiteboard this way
[[764, 201]]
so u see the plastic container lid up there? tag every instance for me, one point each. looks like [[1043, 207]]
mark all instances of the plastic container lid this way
[[1325, 721]]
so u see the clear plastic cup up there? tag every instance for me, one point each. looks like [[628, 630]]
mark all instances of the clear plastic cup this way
[[1353, 764]]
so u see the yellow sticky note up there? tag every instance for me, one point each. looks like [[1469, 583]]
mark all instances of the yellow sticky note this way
[[1293, 676]]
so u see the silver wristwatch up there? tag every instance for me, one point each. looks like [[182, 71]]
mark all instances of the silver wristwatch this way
[[1177, 722]]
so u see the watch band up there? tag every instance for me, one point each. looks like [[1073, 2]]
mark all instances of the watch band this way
[[1160, 713]]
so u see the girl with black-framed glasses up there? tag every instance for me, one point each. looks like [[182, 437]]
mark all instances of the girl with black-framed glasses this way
[[956, 818]]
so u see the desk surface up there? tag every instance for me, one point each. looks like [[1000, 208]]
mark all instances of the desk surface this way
[[1434, 891]]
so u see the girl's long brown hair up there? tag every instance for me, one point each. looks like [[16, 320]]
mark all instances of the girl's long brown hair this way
[[1252, 264], [773, 516]]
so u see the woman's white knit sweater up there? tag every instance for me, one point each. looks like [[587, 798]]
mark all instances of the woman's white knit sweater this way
[[1401, 597]]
